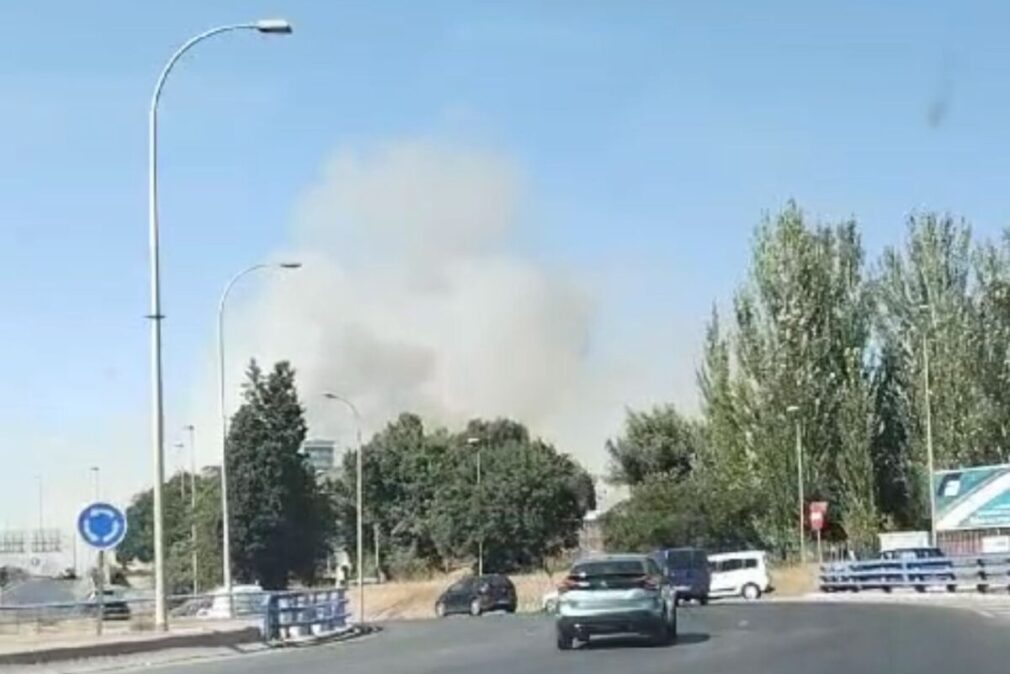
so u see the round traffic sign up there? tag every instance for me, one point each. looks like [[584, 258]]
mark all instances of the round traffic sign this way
[[102, 526]]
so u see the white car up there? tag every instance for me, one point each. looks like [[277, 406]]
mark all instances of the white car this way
[[739, 574], [247, 600]]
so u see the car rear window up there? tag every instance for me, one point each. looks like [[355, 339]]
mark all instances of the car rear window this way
[[686, 559], [623, 567]]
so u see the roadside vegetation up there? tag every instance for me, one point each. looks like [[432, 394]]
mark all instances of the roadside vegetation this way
[[818, 337]]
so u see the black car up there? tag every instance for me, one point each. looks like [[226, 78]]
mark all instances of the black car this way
[[114, 607], [476, 595]]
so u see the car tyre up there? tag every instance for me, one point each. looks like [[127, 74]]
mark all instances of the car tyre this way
[[511, 608], [475, 608], [664, 634], [703, 600], [751, 592], [440, 609], [565, 640]]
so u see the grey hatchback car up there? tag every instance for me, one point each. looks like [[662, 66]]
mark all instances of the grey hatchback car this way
[[616, 594]]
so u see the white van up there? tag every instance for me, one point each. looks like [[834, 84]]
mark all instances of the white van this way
[[739, 574], [247, 601]]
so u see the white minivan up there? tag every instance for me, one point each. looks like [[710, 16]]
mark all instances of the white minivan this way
[[739, 574]]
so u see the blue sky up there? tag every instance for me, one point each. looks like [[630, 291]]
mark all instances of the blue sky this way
[[649, 137]]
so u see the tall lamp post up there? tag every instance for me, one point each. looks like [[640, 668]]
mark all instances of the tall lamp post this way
[[476, 442], [96, 482], [225, 519], [360, 552], [269, 26], [181, 447], [194, 558], [929, 426], [793, 410]]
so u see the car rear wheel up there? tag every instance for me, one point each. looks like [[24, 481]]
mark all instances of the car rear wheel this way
[[511, 608], [440, 609], [565, 640], [703, 600], [751, 592], [475, 608], [664, 634]]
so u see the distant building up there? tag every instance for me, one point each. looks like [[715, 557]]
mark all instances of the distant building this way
[[40, 552], [607, 496], [321, 455]]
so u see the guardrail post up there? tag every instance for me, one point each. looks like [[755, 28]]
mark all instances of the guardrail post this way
[[270, 618]]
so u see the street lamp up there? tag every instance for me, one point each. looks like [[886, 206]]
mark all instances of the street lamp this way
[[225, 526], [929, 426], [96, 482], [360, 504], [794, 411], [269, 26], [194, 560], [476, 442], [181, 447]]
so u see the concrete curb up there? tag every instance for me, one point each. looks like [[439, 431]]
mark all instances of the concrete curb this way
[[132, 646], [350, 633]]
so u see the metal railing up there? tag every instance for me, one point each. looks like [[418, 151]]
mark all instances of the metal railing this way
[[299, 616], [281, 616], [980, 573]]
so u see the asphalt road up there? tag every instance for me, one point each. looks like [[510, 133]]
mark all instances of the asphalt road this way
[[728, 639], [40, 591]]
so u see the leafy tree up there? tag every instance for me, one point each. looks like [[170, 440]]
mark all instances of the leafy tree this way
[[421, 493], [667, 511], [281, 519], [138, 544], [657, 441]]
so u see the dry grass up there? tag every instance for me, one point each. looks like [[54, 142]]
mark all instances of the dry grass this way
[[794, 581], [416, 599]]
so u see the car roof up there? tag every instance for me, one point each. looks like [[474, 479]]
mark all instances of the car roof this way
[[743, 554], [615, 557]]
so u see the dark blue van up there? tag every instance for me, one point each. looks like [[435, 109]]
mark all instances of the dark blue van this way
[[687, 569]]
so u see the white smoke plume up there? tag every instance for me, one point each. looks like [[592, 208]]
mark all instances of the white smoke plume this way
[[412, 297]]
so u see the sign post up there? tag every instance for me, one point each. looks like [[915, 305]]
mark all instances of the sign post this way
[[103, 527], [818, 511]]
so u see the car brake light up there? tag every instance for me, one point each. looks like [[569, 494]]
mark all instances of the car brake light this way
[[647, 583]]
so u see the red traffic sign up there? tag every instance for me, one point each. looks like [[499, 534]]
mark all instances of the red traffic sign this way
[[818, 512]]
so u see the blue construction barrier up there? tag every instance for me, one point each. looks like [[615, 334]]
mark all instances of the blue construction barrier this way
[[301, 616], [980, 573]]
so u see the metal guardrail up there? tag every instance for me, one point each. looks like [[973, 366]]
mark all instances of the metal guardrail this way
[[298, 616], [282, 616], [980, 573]]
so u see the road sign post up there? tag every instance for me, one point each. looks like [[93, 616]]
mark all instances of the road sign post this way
[[103, 527], [818, 511]]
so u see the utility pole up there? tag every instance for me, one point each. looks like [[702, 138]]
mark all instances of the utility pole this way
[[929, 440], [359, 505], [794, 410], [194, 559], [476, 442]]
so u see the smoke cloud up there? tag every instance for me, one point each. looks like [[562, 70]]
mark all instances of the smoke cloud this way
[[412, 297]]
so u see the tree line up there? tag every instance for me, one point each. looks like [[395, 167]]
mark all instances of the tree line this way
[[424, 507], [819, 338]]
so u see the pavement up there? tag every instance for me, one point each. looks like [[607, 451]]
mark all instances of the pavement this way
[[759, 638]]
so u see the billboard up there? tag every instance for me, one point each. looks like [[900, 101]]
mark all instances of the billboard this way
[[972, 498]]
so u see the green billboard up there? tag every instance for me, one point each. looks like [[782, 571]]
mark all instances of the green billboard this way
[[972, 498]]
